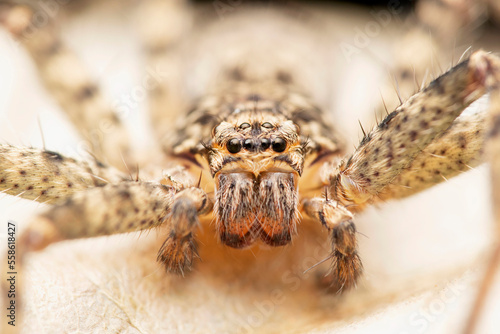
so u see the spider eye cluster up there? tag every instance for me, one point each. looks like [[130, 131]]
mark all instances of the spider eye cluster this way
[[235, 145]]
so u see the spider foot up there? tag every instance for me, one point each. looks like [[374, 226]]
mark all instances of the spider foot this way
[[344, 272], [346, 263], [179, 249], [177, 253]]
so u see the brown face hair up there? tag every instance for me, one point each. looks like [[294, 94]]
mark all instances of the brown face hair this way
[[256, 158]]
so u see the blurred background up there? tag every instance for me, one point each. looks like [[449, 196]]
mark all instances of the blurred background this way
[[423, 256]]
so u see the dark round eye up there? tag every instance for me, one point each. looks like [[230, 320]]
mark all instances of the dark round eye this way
[[234, 145], [265, 143], [245, 125], [267, 125], [248, 144], [279, 144]]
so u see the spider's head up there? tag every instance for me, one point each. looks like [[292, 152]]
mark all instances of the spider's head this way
[[256, 158]]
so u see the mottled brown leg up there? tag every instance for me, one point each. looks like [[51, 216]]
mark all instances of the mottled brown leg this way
[[457, 150], [71, 85], [162, 25], [346, 264], [50, 177], [390, 149], [111, 209]]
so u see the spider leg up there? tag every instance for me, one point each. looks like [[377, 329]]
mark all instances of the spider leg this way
[[492, 150], [179, 249], [451, 153], [107, 210], [346, 263], [390, 149], [50, 177], [162, 26], [70, 84]]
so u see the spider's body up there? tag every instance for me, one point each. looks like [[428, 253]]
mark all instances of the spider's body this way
[[257, 146], [258, 127]]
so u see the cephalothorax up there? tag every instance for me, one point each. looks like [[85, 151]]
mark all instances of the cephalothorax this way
[[257, 130], [258, 145]]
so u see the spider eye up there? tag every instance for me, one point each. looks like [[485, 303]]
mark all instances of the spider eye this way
[[279, 144], [234, 145], [267, 125], [245, 125], [265, 143], [248, 144]]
